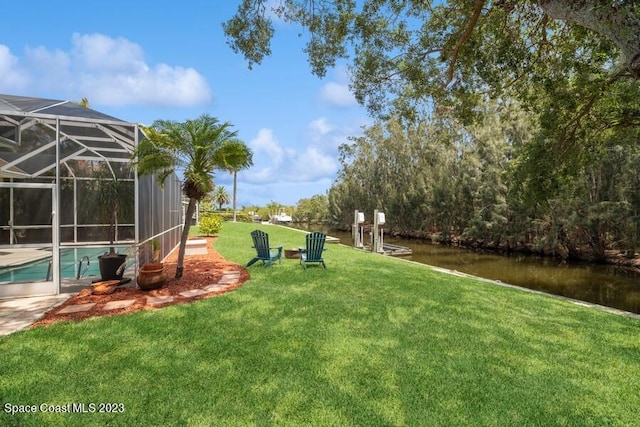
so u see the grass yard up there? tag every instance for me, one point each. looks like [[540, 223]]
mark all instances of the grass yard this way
[[371, 341]]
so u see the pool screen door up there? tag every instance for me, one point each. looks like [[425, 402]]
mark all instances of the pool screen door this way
[[28, 237]]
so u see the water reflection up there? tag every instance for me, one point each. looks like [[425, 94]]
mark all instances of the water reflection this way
[[599, 284]]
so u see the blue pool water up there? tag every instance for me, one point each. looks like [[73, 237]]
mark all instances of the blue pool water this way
[[40, 270]]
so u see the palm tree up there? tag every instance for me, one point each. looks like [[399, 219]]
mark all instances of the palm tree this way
[[220, 196], [190, 146], [235, 156]]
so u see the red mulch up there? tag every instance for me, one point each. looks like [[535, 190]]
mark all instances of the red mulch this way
[[199, 271]]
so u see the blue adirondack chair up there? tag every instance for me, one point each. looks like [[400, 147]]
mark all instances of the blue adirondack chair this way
[[313, 252], [264, 251]]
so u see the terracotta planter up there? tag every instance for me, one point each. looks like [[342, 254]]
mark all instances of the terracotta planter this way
[[151, 267], [151, 276]]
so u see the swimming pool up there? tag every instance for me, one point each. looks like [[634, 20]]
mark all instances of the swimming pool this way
[[72, 264]]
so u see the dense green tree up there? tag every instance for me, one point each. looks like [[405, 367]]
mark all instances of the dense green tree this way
[[314, 209], [188, 146], [410, 171], [451, 180]]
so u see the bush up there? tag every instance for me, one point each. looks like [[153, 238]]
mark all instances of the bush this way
[[210, 224], [240, 216]]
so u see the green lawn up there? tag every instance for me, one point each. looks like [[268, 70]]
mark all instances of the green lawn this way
[[370, 341]]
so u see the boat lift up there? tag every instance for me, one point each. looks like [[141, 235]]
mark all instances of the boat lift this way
[[377, 235]]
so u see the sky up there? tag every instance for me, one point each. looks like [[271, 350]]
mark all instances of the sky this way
[[142, 61]]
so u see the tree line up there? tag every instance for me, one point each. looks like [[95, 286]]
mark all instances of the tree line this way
[[495, 184]]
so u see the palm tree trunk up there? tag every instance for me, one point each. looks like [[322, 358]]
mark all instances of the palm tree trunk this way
[[185, 234], [235, 182]]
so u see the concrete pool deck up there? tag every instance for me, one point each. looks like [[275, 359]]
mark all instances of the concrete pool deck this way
[[21, 256], [16, 314]]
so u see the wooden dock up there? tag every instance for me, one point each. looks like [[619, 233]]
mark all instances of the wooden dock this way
[[392, 250], [396, 250], [331, 239]]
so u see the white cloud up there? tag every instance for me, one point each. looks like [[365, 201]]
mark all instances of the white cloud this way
[[338, 94], [320, 126], [163, 85], [287, 175], [267, 144], [102, 54], [329, 136], [275, 163], [53, 62], [12, 76], [106, 70], [268, 157], [312, 165]]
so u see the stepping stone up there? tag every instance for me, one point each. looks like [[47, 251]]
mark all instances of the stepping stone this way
[[231, 274], [114, 305], [159, 300], [196, 247], [215, 287], [230, 277], [192, 293], [77, 308]]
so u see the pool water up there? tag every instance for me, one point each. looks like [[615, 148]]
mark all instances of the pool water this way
[[41, 270]]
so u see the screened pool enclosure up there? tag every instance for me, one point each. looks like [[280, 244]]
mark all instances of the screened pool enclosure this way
[[68, 190]]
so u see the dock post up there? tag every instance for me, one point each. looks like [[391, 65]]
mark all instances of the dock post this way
[[357, 229], [377, 244]]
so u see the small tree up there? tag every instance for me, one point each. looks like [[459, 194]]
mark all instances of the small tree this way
[[190, 146], [114, 198], [210, 224], [220, 196], [235, 156]]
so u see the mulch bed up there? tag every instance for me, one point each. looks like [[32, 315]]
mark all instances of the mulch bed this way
[[199, 272]]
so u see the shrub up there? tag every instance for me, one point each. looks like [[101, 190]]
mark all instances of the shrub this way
[[240, 216], [210, 224]]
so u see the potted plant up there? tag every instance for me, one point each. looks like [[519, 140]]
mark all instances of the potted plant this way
[[111, 192], [151, 275]]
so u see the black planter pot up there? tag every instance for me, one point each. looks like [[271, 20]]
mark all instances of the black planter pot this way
[[109, 265]]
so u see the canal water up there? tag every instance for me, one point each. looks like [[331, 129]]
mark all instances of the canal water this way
[[599, 284]]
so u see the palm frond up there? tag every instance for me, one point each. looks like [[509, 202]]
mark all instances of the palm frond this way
[[190, 146]]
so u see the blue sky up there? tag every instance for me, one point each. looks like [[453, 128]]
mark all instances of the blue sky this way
[[141, 62]]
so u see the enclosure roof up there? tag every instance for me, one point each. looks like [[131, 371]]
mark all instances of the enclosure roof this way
[[29, 106], [31, 128]]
